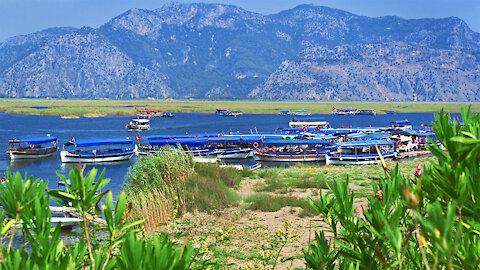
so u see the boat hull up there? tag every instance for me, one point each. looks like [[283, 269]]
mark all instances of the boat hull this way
[[236, 153], [277, 157], [357, 160], [68, 157], [29, 154]]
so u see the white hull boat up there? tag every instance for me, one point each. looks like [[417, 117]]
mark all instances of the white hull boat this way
[[68, 157]]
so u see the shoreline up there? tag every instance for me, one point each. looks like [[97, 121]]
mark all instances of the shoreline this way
[[100, 108]]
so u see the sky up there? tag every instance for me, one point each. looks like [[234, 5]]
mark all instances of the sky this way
[[18, 17]]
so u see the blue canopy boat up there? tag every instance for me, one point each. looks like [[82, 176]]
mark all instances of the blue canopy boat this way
[[194, 146], [361, 152], [97, 150], [293, 150], [36, 147]]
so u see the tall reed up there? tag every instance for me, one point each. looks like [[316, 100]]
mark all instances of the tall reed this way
[[156, 186]]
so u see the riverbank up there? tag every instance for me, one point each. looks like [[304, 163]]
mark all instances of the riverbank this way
[[98, 108], [269, 199]]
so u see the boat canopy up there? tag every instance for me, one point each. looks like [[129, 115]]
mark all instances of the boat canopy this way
[[369, 136], [103, 141], [141, 120], [236, 139], [35, 140], [186, 136], [296, 142], [364, 143], [309, 119], [401, 122], [181, 141]]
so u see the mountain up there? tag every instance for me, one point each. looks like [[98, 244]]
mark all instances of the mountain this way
[[379, 71], [219, 51]]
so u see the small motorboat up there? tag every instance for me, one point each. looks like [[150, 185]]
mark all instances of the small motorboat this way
[[37, 147], [140, 124]]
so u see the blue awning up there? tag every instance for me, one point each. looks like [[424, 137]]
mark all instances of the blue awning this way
[[296, 142], [369, 136], [102, 141], [401, 122], [364, 143], [36, 140]]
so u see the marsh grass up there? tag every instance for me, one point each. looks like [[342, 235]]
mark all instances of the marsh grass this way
[[210, 188], [272, 203], [164, 186], [95, 108]]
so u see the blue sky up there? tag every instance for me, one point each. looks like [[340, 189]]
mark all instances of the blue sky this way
[[25, 16]]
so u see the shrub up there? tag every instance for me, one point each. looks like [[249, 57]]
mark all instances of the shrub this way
[[426, 220]]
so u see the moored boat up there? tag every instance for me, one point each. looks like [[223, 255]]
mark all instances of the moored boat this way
[[37, 147], [234, 113], [97, 150], [345, 111], [361, 152], [293, 150], [221, 112], [284, 113], [366, 112], [138, 124], [308, 122], [167, 114], [400, 125], [300, 113]]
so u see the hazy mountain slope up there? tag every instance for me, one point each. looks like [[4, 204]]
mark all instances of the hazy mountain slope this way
[[381, 71]]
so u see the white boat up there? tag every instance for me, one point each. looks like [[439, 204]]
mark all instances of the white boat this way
[[308, 122], [361, 152], [400, 125], [345, 111], [29, 148], [138, 124], [97, 150], [300, 113], [293, 150]]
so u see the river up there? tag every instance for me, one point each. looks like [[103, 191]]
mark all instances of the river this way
[[20, 126]]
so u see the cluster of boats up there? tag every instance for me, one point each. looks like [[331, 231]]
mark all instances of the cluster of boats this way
[[306, 140]]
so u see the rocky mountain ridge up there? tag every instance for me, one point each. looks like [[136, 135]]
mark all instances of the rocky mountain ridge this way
[[219, 51]]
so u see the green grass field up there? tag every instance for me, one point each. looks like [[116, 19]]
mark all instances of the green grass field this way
[[95, 108]]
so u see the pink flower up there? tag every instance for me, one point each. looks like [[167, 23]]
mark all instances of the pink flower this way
[[418, 172]]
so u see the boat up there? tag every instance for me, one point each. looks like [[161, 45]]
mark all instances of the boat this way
[[308, 122], [300, 113], [234, 113], [284, 113], [97, 150], [149, 113], [193, 146], [234, 147], [366, 112], [400, 125], [361, 152], [389, 112], [345, 111], [167, 114], [300, 150], [138, 124], [36, 147], [221, 112]]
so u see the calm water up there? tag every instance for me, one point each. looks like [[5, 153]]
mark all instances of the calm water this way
[[20, 126]]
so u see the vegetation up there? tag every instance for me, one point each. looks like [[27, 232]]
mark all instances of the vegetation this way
[[427, 219], [96, 108], [26, 206], [164, 186]]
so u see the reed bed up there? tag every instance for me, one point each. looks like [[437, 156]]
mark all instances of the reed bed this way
[[95, 108]]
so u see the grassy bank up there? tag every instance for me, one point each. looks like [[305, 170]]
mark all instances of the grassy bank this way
[[96, 108]]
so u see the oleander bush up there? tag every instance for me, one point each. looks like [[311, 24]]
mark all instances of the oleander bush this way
[[429, 219]]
